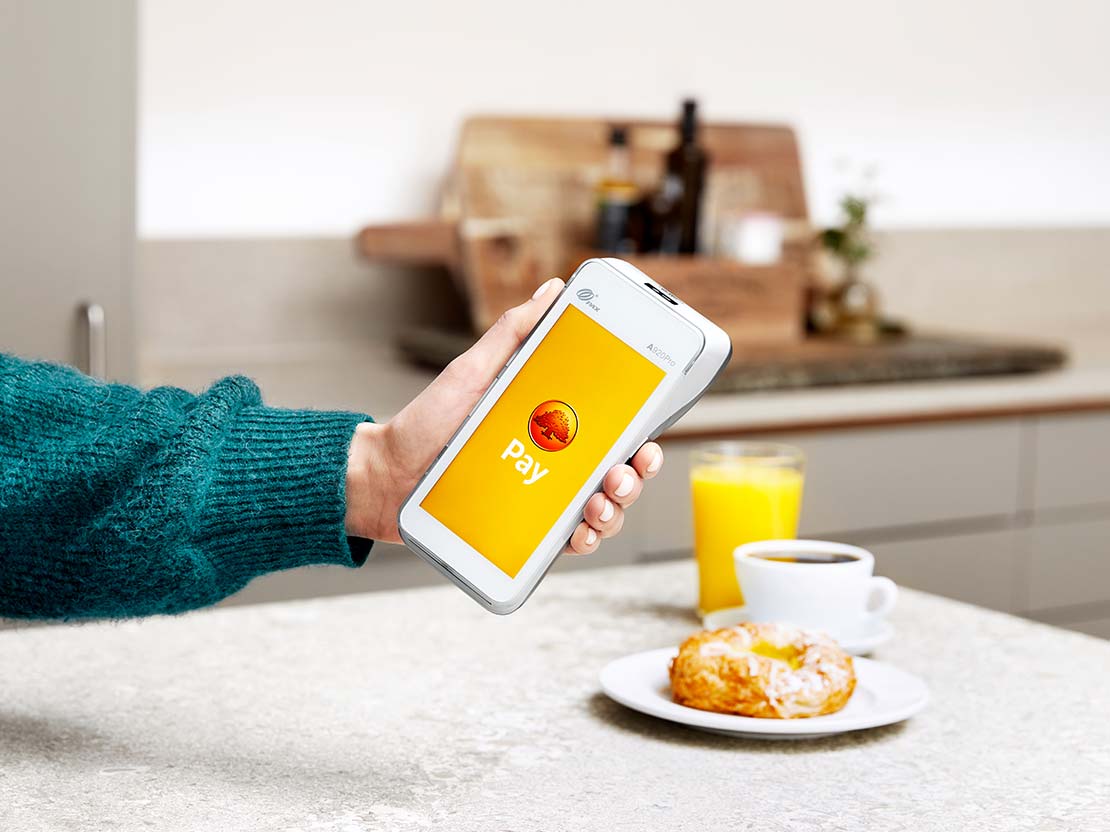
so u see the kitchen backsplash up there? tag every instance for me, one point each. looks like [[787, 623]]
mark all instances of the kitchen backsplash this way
[[316, 324]]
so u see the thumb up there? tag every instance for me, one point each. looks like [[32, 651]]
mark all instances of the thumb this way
[[480, 363]]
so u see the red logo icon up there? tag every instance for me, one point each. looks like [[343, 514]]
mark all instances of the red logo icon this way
[[553, 425]]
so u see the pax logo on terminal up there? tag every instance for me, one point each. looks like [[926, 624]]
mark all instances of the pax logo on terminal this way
[[587, 296], [552, 426]]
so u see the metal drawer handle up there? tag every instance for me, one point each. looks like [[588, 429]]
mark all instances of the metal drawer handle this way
[[97, 334]]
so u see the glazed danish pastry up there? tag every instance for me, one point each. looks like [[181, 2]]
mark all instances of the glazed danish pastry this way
[[762, 670]]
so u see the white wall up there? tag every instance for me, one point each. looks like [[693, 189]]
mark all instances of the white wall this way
[[287, 117]]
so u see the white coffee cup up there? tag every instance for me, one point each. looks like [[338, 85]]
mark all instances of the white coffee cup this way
[[833, 589]]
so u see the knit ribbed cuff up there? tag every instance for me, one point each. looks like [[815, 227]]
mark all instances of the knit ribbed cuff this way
[[276, 499]]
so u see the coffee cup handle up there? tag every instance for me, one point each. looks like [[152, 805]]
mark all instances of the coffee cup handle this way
[[887, 592]]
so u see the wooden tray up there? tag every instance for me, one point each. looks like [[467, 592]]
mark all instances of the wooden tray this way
[[755, 305], [519, 208]]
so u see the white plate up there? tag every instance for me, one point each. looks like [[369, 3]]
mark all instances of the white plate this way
[[859, 643], [884, 695]]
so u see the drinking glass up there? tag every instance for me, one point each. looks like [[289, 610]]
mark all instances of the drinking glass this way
[[742, 492]]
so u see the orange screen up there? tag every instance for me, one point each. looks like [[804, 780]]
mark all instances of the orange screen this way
[[541, 441]]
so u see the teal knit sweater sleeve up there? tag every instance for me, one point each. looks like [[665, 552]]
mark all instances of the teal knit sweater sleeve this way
[[116, 502]]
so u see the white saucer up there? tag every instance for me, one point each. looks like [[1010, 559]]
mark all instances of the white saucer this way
[[884, 695], [858, 643]]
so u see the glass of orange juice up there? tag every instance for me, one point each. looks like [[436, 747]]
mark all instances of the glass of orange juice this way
[[743, 492]]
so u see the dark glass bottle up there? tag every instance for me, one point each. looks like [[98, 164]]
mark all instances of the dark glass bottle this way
[[678, 202]]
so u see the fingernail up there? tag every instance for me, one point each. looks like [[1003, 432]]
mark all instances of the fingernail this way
[[542, 289], [656, 462], [606, 513], [591, 537], [625, 488]]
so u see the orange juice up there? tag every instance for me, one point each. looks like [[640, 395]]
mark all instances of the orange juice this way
[[739, 497]]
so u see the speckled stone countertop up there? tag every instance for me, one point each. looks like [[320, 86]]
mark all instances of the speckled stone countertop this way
[[414, 710]]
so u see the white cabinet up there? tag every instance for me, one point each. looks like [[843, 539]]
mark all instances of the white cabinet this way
[[1070, 564], [67, 168], [985, 568], [881, 478], [945, 507], [865, 479], [1072, 465]]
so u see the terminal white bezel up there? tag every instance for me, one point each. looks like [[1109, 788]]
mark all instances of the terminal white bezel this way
[[638, 317]]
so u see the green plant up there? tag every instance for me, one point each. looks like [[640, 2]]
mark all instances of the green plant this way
[[850, 242]]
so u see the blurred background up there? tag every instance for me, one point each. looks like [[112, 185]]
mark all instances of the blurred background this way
[[903, 220]]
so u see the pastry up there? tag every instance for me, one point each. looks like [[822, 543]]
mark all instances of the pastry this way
[[763, 670]]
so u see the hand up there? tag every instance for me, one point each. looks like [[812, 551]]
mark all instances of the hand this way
[[386, 460]]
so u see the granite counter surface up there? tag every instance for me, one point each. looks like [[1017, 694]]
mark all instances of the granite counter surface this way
[[415, 710]]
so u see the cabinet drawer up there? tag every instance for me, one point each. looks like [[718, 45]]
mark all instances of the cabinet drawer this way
[[983, 569], [864, 479], [1072, 460], [904, 476], [1069, 564]]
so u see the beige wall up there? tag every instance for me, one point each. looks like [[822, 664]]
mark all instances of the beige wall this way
[[303, 316], [1052, 283], [315, 325]]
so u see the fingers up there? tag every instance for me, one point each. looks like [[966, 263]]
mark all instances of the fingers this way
[[604, 513], [604, 516], [648, 461], [478, 365], [584, 541], [622, 485]]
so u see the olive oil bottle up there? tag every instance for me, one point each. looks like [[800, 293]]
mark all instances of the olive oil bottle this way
[[677, 205]]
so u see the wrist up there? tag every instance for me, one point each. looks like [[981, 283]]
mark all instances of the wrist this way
[[365, 468]]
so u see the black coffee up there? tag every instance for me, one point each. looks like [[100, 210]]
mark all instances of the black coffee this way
[[811, 557]]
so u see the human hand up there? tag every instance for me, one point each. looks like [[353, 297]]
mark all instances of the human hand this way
[[386, 460]]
